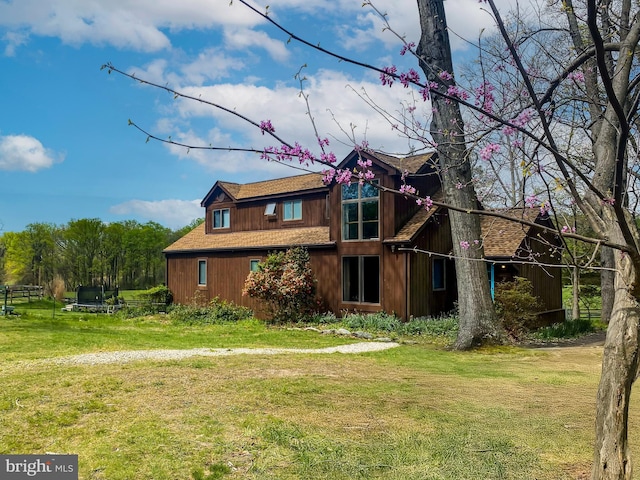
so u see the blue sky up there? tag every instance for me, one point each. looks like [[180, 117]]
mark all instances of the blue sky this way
[[67, 152]]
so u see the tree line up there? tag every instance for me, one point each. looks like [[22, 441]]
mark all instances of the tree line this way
[[88, 251]]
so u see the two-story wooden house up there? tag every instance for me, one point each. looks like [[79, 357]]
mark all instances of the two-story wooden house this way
[[363, 241]]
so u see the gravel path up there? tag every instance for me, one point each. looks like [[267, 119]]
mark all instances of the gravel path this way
[[134, 355]]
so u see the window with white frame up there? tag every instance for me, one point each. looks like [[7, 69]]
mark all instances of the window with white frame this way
[[221, 218], [270, 209], [292, 210], [202, 272], [361, 279], [360, 211]]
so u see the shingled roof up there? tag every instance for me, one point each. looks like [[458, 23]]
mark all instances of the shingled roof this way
[[278, 186], [411, 164], [198, 240], [502, 237]]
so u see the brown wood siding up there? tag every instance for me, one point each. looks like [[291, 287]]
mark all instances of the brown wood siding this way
[[395, 275], [248, 216], [436, 237], [546, 281], [227, 272]]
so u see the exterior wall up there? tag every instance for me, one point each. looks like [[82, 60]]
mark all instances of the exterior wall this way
[[247, 216], [227, 272], [371, 247], [546, 281], [424, 301]]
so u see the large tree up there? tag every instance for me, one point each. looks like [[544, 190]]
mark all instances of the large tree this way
[[476, 313], [541, 112]]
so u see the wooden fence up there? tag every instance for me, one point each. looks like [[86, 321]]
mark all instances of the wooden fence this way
[[9, 293]]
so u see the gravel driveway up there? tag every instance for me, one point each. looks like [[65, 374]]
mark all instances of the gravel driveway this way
[[133, 355]]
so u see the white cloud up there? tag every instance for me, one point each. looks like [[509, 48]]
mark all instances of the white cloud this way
[[339, 111], [245, 38], [172, 213], [121, 23], [22, 152], [13, 41]]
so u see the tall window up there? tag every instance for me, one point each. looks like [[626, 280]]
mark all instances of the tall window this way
[[360, 211], [361, 279], [221, 218], [253, 265], [292, 210], [202, 272]]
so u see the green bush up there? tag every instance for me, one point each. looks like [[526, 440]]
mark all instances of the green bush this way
[[516, 306], [285, 282], [159, 294], [215, 312]]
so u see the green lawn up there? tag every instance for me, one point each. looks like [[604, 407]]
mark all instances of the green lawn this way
[[414, 412]]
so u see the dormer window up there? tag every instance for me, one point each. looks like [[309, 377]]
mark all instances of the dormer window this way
[[221, 218], [292, 210], [270, 209]]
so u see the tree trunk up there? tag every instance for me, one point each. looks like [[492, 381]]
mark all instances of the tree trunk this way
[[476, 314], [619, 370], [607, 277]]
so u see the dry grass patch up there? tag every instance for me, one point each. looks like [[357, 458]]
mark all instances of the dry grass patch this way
[[415, 412]]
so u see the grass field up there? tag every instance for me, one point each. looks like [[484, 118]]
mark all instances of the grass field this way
[[414, 412]]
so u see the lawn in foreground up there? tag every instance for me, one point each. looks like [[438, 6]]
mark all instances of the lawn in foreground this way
[[415, 412]]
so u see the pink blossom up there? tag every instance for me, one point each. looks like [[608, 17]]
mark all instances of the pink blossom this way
[[410, 77], [407, 47], [444, 75], [364, 163], [523, 118], [328, 175], [456, 91], [388, 75], [464, 245], [459, 186], [484, 96], [266, 126], [609, 201], [576, 76], [531, 201], [425, 202], [408, 189], [488, 151]]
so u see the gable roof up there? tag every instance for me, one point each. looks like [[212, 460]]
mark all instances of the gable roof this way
[[266, 188], [198, 240], [395, 165], [502, 237], [410, 164]]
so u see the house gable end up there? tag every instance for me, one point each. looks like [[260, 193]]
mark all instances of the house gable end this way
[[220, 192]]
